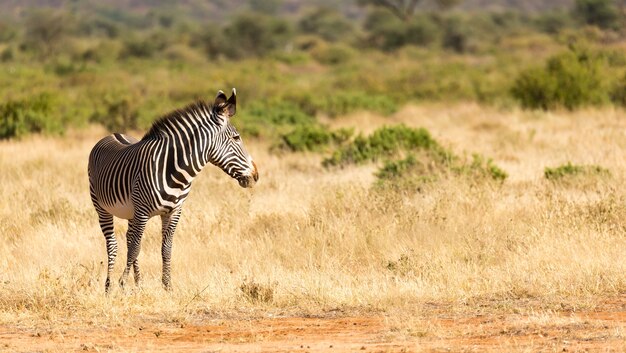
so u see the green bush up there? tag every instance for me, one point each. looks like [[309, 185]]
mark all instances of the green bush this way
[[480, 167], [570, 80], [422, 30], [572, 170], [21, 117], [273, 118], [327, 23], [120, 115], [386, 142], [456, 35], [344, 102], [384, 30], [332, 54], [416, 170], [618, 94], [553, 22], [313, 138], [254, 34], [601, 13], [410, 172]]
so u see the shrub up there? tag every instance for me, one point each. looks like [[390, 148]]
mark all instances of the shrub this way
[[406, 173], [456, 35], [46, 32], [332, 54], [249, 35], [601, 13], [571, 80], [385, 31], [272, 118], [386, 142], [327, 23], [139, 48], [313, 138], [618, 94], [344, 102], [553, 22], [422, 30], [571, 170], [416, 170], [32, 115], [120, 115], [482, 168]]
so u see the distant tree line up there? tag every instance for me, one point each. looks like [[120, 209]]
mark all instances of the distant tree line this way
[[387, 25]]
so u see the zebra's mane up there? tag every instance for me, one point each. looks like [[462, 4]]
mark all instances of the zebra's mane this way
[[199, 108]]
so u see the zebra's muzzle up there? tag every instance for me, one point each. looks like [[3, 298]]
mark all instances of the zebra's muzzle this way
[[248, 181]]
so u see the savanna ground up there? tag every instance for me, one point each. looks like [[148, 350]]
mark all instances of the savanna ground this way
[[318, 259]]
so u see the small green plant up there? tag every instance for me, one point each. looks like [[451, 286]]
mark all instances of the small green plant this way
[[480, 167], [410, 172], [572, 170], [313, 138]]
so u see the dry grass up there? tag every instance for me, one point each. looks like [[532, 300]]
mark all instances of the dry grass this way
[[311, 240]]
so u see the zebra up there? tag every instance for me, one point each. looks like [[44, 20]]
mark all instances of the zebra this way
[[139, 179]]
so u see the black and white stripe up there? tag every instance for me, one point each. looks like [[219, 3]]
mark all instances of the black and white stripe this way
[[137, 180]]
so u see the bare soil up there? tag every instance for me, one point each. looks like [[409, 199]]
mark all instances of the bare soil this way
[[437, 329]]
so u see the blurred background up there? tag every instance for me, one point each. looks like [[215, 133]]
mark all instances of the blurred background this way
[[295, 63]]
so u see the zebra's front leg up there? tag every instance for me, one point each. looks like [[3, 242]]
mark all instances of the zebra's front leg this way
[[169, 222], [106, 224], [136, 227]]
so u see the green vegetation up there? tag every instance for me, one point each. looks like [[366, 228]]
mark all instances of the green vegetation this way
[[20, 117], [601, 13], [570, 80], [411, 157], [123, 67], [570, 170], [313, 138], [386, 142], [416, 170]]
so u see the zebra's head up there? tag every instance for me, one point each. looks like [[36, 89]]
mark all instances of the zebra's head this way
[[228, 151]]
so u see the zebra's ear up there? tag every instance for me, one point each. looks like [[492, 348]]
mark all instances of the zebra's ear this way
[[231, 103], [220, 99]]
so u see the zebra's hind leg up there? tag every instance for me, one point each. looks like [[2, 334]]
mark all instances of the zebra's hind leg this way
[[136, 227], [169, 222], [106, 224]]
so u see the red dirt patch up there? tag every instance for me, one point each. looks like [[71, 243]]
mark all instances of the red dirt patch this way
[[603, 329]]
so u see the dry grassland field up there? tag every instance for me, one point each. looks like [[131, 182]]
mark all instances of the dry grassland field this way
[[316, 259]]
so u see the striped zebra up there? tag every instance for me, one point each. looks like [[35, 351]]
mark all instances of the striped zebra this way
[[136, 180]]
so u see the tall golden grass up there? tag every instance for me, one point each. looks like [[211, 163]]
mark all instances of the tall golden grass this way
[[308, 240]]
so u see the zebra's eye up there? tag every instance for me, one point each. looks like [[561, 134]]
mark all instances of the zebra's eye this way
[[237, 138]]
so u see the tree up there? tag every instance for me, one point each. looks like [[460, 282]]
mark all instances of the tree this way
[[327, 23], [447, 4], [45, 31], [601, 13], [254, 34], [403, 9]]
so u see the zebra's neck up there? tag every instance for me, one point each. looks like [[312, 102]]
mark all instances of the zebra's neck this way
[[184, 136]]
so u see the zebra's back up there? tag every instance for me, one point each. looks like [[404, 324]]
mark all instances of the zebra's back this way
[[111, 174]]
